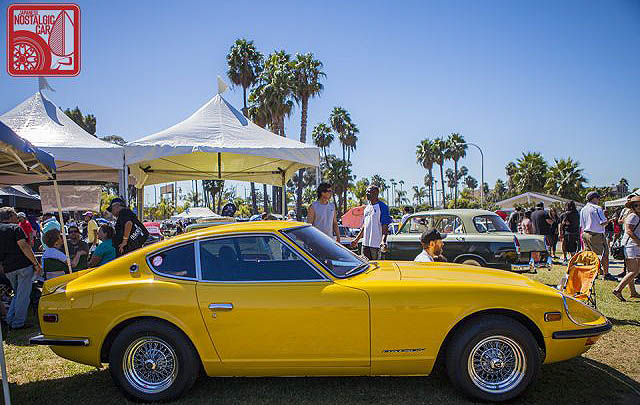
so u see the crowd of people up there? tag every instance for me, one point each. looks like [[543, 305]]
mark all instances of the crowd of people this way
[[97, 245]]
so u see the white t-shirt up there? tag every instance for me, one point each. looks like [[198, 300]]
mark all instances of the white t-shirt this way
[[375, 215], [632, 220], [423, 257]]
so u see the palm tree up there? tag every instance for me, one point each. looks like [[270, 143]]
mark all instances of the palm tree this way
[[511, 169], [322, 137], [419, 193], [428, 182], [471, 183], [439, 150], [451, 178], [425, 158], [530, 172], [351, 140], [393, 188], [457, 150], [338, 174], [401, 197], [565, 179], [245, 64], [340, 121], [499, 190], [306, 72]]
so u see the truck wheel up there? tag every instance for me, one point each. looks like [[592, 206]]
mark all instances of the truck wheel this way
[[493, 358], [151, 361]]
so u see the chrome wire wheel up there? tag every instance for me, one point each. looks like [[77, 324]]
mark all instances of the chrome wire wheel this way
[[150, 364], [497, 364]]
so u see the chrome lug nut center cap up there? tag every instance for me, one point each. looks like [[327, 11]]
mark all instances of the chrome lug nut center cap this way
[[496, 364], [150, 364]]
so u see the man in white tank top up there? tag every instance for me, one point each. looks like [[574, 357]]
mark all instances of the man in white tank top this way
[[322, 212]]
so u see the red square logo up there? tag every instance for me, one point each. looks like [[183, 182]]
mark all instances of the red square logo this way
[[43, 40]]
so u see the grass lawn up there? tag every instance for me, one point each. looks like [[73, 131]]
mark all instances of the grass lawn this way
[[608, 373]]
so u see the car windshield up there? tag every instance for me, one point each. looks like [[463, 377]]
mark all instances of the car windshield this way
[[490, 223], [338, 260]]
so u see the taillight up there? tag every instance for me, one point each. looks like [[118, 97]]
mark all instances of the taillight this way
[[516, 242]]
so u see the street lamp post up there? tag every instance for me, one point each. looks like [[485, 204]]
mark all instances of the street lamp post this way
[[481, 169]]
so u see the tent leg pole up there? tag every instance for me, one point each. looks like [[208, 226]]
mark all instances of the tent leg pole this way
[[64, 235], [140, 203], [284, 195], [5, 381]]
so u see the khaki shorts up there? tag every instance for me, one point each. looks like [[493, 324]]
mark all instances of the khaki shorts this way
[[596, 242]]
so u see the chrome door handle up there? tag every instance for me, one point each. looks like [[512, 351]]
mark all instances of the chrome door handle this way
[[227, 306]]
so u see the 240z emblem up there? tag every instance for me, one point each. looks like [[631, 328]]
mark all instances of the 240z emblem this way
[[403, 350]]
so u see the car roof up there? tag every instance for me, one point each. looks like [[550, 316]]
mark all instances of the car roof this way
[[458, 211], [252, 226]]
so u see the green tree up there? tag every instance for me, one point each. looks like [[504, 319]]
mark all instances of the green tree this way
[[245, 64], [360, 190], [306, 75], [340, 121], [565, 179], [338, 174], [471, 182], [322, 137], [115, 139], [457, 150], [530, 173], [86, 122], [440, 153], [511, 169], [499, 190], [426, 159]]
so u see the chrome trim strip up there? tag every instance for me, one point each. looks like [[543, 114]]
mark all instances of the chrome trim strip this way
[[41, 340], [196, 246], [323, 278]]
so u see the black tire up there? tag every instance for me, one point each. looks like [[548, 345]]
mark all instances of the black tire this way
[[177, 357], [491, 329], [472, 262]]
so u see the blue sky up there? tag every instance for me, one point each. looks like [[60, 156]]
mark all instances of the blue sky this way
[[558, 77]]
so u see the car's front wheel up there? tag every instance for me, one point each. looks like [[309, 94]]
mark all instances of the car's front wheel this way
[[493, 358], [152, 361]]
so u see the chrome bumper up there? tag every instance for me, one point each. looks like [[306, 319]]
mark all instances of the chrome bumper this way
[[41, 340]]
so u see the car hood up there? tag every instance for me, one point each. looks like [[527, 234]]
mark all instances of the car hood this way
[[442, 273]]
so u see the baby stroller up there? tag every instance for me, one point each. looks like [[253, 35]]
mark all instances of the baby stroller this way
[[579, 282]]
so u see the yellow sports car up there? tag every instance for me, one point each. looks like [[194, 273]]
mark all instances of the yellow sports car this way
[[280, 298]]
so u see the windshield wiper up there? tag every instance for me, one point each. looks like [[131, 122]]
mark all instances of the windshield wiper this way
[[358, 267]]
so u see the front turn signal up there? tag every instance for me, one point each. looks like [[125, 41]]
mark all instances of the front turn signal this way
[[552, 316]]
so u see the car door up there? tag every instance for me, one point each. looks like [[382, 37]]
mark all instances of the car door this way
[[405, 244], [266, 306], [454, 232]]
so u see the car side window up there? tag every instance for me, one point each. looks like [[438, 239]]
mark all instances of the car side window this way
[[417, 224], [253, 258], [175, 262], [448, 224]]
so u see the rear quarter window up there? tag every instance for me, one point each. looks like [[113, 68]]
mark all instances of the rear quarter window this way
[[179, 261]]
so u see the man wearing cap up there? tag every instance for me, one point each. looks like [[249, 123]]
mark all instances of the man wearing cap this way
[[431, 241], [26, 227], [374, 227], [78, 249], [92, 229], [592, 222], [130, 232]]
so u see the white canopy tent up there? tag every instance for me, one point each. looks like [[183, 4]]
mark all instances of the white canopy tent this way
[[620, 202], [78, 154], [531, 198], [217, 142], [196, 213]]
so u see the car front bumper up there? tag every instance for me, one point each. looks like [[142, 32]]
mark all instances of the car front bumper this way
[[582, 333]]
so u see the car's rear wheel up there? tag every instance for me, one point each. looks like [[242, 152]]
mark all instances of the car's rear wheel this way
[[152, 361], [472, 262], [493, 358]]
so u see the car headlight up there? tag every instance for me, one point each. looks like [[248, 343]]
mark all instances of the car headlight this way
[[580, 313]]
